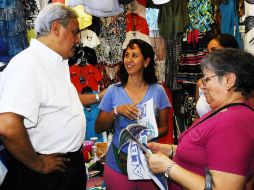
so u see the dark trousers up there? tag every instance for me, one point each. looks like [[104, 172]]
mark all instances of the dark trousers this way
[[21, 178]]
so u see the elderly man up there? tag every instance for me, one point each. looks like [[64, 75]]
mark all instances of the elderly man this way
[[42, 123]]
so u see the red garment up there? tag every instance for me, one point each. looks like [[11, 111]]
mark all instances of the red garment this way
[[83, 76], [58, 1], [142, 2], [134, 22], [193, 36], [168, 138]]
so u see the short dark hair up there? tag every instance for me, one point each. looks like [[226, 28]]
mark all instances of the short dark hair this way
[[226, 41], [147, 52], [231, 60]]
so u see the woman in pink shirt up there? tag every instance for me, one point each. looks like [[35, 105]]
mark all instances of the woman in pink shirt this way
[[223, 139]]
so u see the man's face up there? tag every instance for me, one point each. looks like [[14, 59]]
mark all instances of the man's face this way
[[69, 37]]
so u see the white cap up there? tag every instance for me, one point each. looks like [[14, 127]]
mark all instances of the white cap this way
[[135, 35], [89, 38], [159, 2]]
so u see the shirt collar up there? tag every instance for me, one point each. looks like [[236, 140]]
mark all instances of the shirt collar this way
[[55, 57]]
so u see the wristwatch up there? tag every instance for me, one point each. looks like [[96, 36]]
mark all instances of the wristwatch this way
[[97, 97]]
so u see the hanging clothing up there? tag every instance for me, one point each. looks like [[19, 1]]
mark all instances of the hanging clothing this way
[[173, 18], [91, 113], [249, 26], [201, 15], [230, 20], [13, 26], [83, 76], [111, 38], [134, 22], [173, 55], [99, 8], [136, 7]]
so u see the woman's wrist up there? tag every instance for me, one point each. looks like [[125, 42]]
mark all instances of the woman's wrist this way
[[169, 169], [115, 111], [166, 149]]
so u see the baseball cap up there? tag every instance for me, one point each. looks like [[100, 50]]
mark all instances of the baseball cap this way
[[159, 2]]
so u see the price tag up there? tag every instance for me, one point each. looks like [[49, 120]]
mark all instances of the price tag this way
[[242, 28]]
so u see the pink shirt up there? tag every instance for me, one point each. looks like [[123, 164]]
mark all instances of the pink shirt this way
[[225, 142]]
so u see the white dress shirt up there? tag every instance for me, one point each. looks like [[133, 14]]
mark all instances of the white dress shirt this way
[[36, 84]]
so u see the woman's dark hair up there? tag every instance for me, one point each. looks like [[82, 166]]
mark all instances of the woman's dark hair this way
[[147, 52], [231, 60], [226, 41]]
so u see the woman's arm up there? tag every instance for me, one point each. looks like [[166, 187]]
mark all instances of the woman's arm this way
[[162, 122], [104, 121], [159, 163]]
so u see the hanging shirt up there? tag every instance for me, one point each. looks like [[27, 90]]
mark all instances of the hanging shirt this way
[[134, 22], [249, 26], [173, 18], [83, 76], [230, 20], [201, 15]]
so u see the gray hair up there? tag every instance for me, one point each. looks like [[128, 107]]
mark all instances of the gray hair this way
[[230, 60], [51, 13]]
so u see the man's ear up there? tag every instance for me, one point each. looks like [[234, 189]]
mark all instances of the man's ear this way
[[55, 28]]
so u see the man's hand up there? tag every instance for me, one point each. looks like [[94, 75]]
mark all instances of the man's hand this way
[[51, 163]]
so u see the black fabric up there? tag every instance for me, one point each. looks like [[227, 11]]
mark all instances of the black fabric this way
[[2, 68], [121, 159], [86, 54], [21, 178], [125, 2], [150, 4], [96, 25]]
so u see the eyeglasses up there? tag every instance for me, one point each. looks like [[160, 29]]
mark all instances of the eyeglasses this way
[[206, 79]]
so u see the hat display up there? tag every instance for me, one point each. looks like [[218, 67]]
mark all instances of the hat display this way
[[159, 2], [99, 8], [89, 38], [84, 18]]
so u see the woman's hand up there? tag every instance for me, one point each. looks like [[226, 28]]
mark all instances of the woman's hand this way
[[160, 148], [158, 163], [154, 147], [128, 110]]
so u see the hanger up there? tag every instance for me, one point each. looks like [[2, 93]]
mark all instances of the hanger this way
[[82, 61]]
